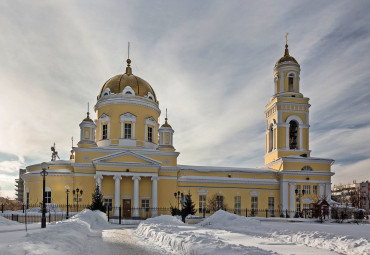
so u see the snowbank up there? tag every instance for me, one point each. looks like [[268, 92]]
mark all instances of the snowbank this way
[[228, 221], [63, 237], [289, 232], [6, 222], [173, 235]]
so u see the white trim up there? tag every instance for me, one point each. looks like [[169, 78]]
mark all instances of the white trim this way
[[226, 180], [128, 89], [202, 191], [128, 117], [294, 117], [126, 174], [131, 100]]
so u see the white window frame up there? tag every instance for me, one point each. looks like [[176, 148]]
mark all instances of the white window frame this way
[[128, 117], [48, 194], [104, 118], [150, 122], [202, 203], [237, 205], [307, 189]]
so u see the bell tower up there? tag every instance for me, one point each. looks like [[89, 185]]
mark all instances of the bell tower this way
[[287, 113]]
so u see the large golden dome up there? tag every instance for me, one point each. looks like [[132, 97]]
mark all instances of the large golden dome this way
[[286, 57], [118, 83]]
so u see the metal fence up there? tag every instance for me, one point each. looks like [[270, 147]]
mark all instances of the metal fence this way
[[57, 212]]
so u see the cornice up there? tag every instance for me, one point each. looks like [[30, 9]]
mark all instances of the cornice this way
[[147, 152], [132, 100], [305, 173], [226, 180]]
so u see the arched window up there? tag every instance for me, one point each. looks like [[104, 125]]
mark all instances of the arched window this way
[[293, 134], [128, 93], [307, 168], [291, 82], [271, 137]]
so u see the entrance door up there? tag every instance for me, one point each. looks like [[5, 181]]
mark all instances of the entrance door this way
[[126, 208]]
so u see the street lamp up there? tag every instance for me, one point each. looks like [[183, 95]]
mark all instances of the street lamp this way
[[77, 192], [177, 195], [67, 191], [43, 173], [300, 193]]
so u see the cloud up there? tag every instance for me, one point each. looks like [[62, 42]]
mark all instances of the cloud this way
[[209, 62]]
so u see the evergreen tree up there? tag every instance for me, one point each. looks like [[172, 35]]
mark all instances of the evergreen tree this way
[[97, 200], [188, 208]]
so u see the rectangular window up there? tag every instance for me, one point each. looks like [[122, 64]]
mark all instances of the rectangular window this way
[[271, 205], [237, 205], [315, 189], [127, 130], [220, 202], [307, 189], [254, 206], [202, 203], [108, 204], [48, 197], [150, 134], [306, 209], [105, 132], [298, 207], [145, 205]]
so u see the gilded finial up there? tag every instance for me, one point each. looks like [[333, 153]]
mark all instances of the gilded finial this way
[[128, 61], [72, 151], [286, 45], [88, 114]]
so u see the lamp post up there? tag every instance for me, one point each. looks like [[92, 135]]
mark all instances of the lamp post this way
[[177, 195], [67, 191], [43, 173], [77, 192], [300, 193]]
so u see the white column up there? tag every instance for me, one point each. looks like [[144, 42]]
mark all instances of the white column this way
[[321, 192], [136, 180], [292, 199], [328, 192], [98, 178], [133, 129], [283, 196], [287, 136], [121, 129], [146, 132], [108, 130], [281, 81], [300, 139], [274, 137], [154, 196], [117, 193], [328, 196]]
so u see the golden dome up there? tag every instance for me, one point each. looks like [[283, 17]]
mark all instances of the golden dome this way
[[117, 84], [166, 124], [286, 57], [88, 118]]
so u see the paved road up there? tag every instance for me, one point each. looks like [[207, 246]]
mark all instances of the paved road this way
[[120, 241]]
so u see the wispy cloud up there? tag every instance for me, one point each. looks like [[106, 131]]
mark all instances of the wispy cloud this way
[[209, 62]]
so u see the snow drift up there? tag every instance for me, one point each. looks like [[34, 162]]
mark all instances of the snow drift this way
[[63, 237]]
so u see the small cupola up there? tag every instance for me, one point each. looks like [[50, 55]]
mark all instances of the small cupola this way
[[287, 74], [166, 136], [87, 132]]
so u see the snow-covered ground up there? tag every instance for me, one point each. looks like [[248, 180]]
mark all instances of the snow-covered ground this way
[[223, 233]]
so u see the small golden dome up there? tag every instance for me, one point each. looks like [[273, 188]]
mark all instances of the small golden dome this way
[[286, 57], [166, 124], [117, 84], [88, 118]]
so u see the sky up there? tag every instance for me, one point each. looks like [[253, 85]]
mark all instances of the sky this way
[[209, 62]]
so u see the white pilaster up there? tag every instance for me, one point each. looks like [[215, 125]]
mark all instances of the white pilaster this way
[[136, 180], [117, 192], [287, 137], [283, 195], [98, 178], [328, 192], [154, 196], [281, 81], [300, 138], [292, 199], [321, 192]]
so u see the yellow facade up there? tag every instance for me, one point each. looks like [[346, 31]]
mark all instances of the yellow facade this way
[[133, 159]]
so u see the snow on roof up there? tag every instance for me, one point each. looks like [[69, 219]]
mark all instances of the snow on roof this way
[[224, 169]]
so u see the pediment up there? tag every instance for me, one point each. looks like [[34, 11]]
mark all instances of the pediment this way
[[126, 157]]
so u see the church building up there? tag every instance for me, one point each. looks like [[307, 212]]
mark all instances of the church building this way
[[133, 160]]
